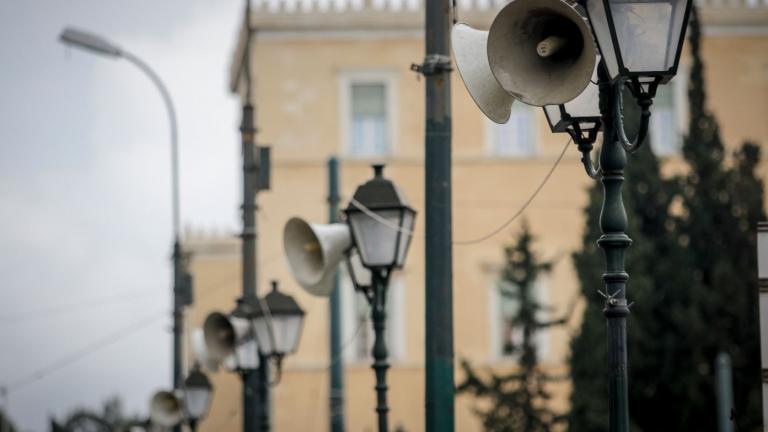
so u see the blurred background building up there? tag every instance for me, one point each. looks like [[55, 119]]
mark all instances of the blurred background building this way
[[335, 79]]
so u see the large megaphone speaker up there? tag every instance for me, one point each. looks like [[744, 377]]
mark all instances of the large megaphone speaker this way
[[166, 409], [200, 351], [469, 51], [222, 334], [313, 251], [541, 51]]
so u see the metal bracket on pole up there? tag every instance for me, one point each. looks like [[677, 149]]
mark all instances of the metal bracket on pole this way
[[434, 64]]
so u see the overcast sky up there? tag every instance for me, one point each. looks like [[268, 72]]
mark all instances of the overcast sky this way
[[84, 190]]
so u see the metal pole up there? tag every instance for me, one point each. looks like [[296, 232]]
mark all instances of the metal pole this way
[[724, 392], [178, 265], [439, 387], [336, 390], [262, 418], [380, 365], [251, 379], [614, 242], [252, 388]]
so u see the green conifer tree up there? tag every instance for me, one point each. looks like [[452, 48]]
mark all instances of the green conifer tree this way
[[518, 400]]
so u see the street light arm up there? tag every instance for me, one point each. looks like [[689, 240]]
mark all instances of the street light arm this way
[[155, 78], [644, 100]]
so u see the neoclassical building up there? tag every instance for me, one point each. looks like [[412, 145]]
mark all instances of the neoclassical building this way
[[335, 79]]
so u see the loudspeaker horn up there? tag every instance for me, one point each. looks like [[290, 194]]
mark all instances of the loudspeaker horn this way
[[222, 334], [166, 409], [469, 52], [200, 351], [313, 251], [541, 51]]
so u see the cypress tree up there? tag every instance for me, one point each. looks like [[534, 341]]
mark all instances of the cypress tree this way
[[518, 400]]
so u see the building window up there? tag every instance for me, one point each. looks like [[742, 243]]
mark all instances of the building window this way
[[367, 117], [358, 334], [665, 127], [506, 333], [517, 137]]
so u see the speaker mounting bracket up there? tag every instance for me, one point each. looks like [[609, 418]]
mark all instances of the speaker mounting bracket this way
[[434, 64]]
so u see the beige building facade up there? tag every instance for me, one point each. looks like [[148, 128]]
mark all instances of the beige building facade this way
[[335, 79]]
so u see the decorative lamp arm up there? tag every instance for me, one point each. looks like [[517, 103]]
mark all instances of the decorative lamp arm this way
[[585, 145], [644, 100]]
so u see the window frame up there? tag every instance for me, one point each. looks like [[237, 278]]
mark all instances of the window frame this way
[[346, 79], [494, 323]]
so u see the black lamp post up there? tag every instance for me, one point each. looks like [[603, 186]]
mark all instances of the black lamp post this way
[[381, 223], [640, 44], [197, 396], [257, 330]]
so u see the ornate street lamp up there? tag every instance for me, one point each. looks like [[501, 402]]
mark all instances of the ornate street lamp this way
[[381, 223], [197, 396], [373, 241], [278, 321], [639, 45]]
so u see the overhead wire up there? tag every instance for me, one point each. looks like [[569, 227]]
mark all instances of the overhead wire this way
[[370, 213], [52, 311], [104, 342]]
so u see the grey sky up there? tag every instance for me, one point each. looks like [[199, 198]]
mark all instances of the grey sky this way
[[84, 188]]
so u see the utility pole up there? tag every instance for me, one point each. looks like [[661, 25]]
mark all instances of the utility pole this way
[[336, 390], [255, 178], [724, 387], [439, 389]]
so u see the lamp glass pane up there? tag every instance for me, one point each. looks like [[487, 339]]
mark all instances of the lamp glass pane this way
[[264, 335], [762, 254], [196, 400], [362, 276], [599, 20], [286, 330], [552, 112], [247, 355], [406, 233], [376, 239], [644, 29]]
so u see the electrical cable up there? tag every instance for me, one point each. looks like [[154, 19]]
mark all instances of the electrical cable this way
[[74, 356], [84, 351], [482, 238], [52, 311]]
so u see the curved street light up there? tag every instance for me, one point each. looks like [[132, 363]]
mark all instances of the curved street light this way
[[182, 289]]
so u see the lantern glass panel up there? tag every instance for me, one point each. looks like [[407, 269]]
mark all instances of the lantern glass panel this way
[[647, 34], [584, 109], [196, 400], [762, 252], [360, 275], [281, 335], [247, 355], [406, 232], [376, 240], [598, 18]]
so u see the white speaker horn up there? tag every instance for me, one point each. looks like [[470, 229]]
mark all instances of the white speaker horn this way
[[469, 49], [200, 351], [313, 252], [166, 409], [541, 51], [222, 334]]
